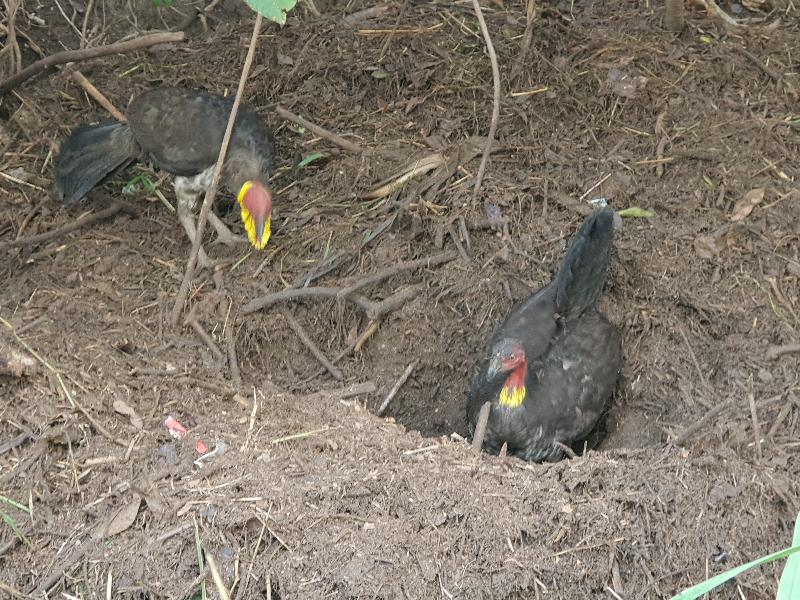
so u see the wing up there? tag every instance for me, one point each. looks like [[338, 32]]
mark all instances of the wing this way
[[181, 130], [576, 380]]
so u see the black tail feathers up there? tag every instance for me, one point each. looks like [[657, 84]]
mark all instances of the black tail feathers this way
[[89, 155], [582, 274]]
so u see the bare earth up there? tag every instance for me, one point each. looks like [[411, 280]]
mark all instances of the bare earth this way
[[316, 496]]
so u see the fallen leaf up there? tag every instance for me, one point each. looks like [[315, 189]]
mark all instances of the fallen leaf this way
[[746, 204], [711, 245], [124, 408], [637, 212], [623, 84], [119, 520]]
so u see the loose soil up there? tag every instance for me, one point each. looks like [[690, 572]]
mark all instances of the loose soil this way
[[315, 496]]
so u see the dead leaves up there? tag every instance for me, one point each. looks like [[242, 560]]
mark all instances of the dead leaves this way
[[119, 520], [711, 245], [125, 409], [746, 204]]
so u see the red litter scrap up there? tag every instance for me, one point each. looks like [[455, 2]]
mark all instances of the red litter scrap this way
[[175, 429], [201, 447]]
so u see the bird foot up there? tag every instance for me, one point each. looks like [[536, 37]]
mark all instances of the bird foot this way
[[225, 235]]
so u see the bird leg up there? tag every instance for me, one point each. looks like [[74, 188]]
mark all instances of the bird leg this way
[[224, 235], [186, 204]]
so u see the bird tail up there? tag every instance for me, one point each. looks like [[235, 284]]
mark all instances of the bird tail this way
[[89, 155], [582, 274]]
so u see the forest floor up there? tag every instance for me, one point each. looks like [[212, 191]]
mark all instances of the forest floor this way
[[315, 496]]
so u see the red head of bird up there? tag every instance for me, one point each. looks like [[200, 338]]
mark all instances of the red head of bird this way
[[255, 201], [508, 359]]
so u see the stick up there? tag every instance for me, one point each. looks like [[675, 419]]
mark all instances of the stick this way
[[756, 428], [207, 339], [703, 421], [480, 426], [674, 18], [309, 343], [52, 579], [495, 101], [55, 233], [211, 192], [346, 292], [61, 58], [396, 388], [323, 133], [233, 362], [775, 351], [98, 96], [411, 265]]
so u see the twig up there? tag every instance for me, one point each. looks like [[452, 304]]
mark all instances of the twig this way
[[221, 589], [411, 265], [396, 388], [189, 593], [233, 362], [211, 192], [374, 310], [321, 132], [61, 58], [418, 167], [674, 18], [495, 101], [309, 343], [565, 449], [527, 37], [703, 421], [775, 351], [55, 233], [77, 554], [98, 96], [203, 334], [480, 426], [756, 428]]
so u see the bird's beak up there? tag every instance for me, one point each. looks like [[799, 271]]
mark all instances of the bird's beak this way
[[495, 367], [263, 230]]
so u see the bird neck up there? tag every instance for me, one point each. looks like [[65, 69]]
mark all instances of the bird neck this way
[[513, 392]]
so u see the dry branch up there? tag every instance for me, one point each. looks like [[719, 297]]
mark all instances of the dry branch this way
[[82, 222], [61, 58], [313, 348], [495, 101], [396, 388], [480, 426], [321, 132], [99, 97], [211, 192], [374, 310]]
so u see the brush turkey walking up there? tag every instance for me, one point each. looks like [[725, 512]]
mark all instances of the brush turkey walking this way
[[552, 366], [180, 131]]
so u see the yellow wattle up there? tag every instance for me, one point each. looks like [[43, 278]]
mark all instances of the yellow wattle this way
[[512, 396], [250, 223]]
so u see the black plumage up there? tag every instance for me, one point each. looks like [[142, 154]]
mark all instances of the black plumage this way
[[552, 366]]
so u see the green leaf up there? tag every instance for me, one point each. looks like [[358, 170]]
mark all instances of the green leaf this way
[[15, 504], [635, 211], [8, 520], [274, 10], [789, 586], [703, 588], [309, 159]]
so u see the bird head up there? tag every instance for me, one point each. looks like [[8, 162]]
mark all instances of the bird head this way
[[508, 359], [255, 201], [506, 355]]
